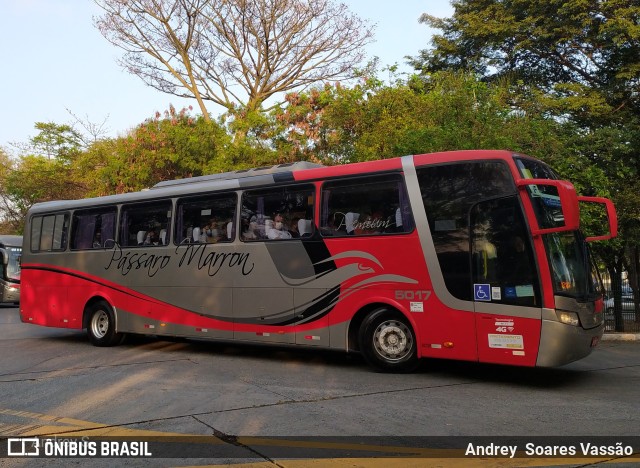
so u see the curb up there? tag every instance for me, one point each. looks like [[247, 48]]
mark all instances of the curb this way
[[621, 337]]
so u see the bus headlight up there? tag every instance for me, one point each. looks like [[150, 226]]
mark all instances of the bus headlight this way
[[570, 318]]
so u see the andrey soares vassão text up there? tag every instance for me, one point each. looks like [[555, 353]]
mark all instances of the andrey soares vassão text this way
[[535, 450]]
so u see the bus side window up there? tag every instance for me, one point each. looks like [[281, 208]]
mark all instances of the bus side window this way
[[206, 219], [274, 214], [141, 223], [49, 232], [93, 229], [365, 206]]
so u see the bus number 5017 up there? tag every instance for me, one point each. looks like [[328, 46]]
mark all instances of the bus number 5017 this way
[[412, 295]]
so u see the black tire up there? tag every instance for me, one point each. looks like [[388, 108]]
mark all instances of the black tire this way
[[101, 325], [387, 342]]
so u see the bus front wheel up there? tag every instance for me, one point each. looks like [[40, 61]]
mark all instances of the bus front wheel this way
[[101, 327], [387, 342]]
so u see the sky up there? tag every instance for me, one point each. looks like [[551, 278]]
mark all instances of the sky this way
[[54, 64]]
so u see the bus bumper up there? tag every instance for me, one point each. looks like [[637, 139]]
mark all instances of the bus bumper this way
[[10, 293], [561, 343]]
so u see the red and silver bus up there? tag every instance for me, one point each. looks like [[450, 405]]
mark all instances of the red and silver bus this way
[[468, 255]]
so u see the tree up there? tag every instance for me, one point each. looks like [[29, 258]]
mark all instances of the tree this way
[[451, 110], [43, 172], [32, 179], [169, 146], [53, 140], [234, 53], [570, 47]]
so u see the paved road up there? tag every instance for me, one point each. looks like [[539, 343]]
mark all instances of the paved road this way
[[53, 382]]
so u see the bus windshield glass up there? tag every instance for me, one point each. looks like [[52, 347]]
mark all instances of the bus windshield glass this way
[[567, 252], [13, 267], [569, 261]]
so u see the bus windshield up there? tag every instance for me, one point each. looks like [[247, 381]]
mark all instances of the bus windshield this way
[[570, 265], [13, 266], [567, 252]]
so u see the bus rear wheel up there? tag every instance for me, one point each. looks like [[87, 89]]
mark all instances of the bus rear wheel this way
[[101, 325], [387, 342]]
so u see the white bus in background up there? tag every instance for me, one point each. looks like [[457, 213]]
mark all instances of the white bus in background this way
[[11, 251]]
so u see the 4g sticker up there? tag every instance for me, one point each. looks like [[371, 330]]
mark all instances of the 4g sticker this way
[[504, 326]]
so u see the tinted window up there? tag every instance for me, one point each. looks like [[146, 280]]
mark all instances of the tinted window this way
[[449, 192], [92, 228], [502, 252], [276, 214], [49, 232], [145, 224], [13, 267], [208, 219], [365, 206]]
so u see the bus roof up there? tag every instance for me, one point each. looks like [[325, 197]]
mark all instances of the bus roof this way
[[7, 240], [241, 174]]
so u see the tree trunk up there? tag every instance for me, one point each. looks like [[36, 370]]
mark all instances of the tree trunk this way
[[615, 272]]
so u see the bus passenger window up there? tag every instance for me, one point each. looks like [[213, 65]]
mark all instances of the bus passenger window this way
[[93, 229], [142, 223], [276, 214], [49, 232], [365, 206], [208, 219]]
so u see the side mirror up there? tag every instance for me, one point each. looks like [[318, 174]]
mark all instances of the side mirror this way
[[555, 204], [5, 256], [611, 216]]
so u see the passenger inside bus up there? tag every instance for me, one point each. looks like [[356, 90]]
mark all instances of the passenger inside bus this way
[[97, 240], [249, 227], [275, 228]]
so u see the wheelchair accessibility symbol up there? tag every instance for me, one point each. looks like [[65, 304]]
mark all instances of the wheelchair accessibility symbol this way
[[482, 292]]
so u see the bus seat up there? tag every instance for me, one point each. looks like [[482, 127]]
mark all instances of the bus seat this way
[[163, 236], [350, 219], [196, 234], [140, 237], [230, 230], [304, 227]]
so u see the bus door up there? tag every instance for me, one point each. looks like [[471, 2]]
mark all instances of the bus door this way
[[506, 286]]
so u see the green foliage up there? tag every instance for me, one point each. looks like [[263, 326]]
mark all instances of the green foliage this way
[[32, 179], [167, 147], [588, 43], [44, 172], [447, 111], [56, 141]]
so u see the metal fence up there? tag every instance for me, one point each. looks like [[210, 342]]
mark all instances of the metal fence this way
[[628, 319]]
